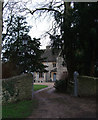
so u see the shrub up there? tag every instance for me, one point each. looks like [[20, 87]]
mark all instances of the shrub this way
[[60, 85], [64, 85]]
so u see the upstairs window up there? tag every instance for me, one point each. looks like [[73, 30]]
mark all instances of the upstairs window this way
[[54, 64]]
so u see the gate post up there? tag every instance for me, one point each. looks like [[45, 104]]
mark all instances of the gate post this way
[[76, 74], [32, 84]]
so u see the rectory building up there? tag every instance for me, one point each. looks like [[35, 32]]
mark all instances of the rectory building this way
[[55, 66]]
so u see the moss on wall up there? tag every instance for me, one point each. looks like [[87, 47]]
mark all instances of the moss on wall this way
[[17, 88], [87, 86]]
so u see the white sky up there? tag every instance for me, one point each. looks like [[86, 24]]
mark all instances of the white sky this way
[[38, 30], [40, 26]]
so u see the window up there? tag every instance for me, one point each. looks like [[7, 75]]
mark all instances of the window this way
[[54, 64], [41, 75]]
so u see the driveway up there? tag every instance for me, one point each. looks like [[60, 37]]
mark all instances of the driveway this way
[[49, 84], [58, 105]]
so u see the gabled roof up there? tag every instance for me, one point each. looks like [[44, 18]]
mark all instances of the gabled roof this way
[[50, 55]]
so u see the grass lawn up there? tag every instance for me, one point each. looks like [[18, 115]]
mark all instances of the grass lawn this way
[[20, 109], [38, 87]]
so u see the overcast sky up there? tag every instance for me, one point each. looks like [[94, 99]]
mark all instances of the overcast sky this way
[[41, 24], [39, 27]]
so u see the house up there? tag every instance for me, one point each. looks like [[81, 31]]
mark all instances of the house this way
[[55, 67]]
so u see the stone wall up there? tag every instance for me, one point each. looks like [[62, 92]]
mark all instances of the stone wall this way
[[60, 68], [0, 59], [87, 86], [17, 88]]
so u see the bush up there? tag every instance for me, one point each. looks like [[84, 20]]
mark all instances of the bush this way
[[61, 85]]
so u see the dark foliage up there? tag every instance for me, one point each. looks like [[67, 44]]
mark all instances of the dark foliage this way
[[61, 85], [18, 57], [78, 38]]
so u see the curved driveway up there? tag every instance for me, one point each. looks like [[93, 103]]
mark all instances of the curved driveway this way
[[57, 105]]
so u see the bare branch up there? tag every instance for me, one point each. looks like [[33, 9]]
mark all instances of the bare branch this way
[[44, 9], [5, 5]]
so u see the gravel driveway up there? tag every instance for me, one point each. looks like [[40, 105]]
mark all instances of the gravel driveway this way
[[57, 105]]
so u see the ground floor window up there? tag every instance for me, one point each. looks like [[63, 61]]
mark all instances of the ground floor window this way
[[41, 75]]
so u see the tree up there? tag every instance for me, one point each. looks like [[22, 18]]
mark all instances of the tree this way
[[11, 8], [26, 58], [67, 38], [58, 10], [75, 31], [88, 33], [77, 36]]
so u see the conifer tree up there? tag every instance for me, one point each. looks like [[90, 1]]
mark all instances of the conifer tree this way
[[25, 57]]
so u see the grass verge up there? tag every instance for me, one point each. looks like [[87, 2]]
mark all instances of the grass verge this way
[[38, 87], [21, 109]]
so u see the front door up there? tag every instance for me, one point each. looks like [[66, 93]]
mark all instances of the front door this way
[[54, 77]]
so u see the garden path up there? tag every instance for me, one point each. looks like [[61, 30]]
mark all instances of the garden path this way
[[58, 105]]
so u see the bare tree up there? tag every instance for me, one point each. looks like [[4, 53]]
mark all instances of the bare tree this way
[[11, 8]]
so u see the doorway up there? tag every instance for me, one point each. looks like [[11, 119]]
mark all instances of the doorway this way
[[54, 77]]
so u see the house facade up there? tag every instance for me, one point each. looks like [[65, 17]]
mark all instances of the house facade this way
[[55, 67]]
